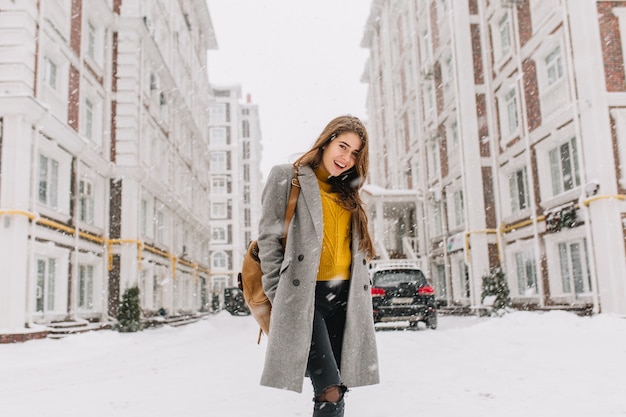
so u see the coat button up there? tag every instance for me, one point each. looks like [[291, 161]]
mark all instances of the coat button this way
[[365, 287], [364, 262], [296, 282], [300, 257]]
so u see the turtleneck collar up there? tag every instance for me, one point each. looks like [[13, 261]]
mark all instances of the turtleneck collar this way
[[323, 178]]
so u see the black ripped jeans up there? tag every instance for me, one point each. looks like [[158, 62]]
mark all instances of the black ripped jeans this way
[[331, 299]]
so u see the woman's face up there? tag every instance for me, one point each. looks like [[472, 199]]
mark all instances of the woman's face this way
[[340, 154]]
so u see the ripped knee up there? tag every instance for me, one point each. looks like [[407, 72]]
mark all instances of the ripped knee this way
[[332, 394]]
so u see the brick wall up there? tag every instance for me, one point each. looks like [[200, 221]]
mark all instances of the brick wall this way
[[611, 46]]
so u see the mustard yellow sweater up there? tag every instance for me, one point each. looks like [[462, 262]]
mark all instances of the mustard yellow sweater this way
[[336, 257]]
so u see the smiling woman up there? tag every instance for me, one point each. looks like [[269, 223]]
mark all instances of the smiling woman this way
[[321, 322], [301, 62]]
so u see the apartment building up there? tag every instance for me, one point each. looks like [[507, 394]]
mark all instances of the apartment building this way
[[505, 120], [235, 178], [104, 159]]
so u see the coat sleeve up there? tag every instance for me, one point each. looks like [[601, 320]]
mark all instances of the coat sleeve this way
[[273, 205]]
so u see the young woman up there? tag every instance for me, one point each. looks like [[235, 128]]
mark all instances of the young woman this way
[[321, 324]]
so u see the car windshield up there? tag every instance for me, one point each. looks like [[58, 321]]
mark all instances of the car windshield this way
[[398, 276]]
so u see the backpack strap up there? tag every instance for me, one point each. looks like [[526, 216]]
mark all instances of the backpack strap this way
[[291, 204]]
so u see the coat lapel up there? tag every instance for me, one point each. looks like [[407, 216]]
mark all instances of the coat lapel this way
[[311, 192]]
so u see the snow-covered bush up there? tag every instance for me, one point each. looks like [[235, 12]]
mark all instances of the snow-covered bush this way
[[495, 290], [129, 316]]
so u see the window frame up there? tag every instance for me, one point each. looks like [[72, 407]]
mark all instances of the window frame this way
[[518, 177], [526, 273], [85, 299], [219, 261], [48, 180], [86, 201], [557, 167], [218, 136], [505, 33], [219, 210]]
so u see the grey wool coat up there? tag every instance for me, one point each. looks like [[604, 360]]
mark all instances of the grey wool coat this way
[[289, 280]]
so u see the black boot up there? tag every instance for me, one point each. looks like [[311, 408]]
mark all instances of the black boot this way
[[328, 409]]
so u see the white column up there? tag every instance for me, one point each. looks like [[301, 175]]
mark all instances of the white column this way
[[606, 240], [14, 228]]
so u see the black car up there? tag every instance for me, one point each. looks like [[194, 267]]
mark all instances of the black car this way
[[234, 302], [401, 292]]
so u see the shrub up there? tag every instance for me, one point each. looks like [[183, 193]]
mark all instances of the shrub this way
[[215, 302], [129, 316], [496, 287]]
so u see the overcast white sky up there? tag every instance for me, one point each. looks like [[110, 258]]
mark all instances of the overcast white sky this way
[[300, 60]]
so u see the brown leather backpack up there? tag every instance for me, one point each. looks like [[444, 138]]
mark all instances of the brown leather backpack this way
[[249, 279]]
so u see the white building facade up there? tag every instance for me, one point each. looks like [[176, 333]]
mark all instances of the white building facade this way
[[505, 119], [235, 177], [104, 159]]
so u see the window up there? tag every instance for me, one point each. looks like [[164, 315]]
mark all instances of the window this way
[[217, 113], [246, 194], [441, 288], [219, 234], [144, 217], [437, 223], [504, 29], [574, 267], [156, 291], [564, 167], [46, 270], [464, 277], [154, 82], [50, 72], [245, 129], [219, 185], [541, 11], [553, 89], [246, 150], [246, 217], [433, 166], [85, 287], [453, 132], [217, 136], [219, 260], [457, 217], [554, 66], [86, 202], [219, 210], [159, 226], [48, 181], [518, 188], [526, 273], [448, 73], [91, 40], [218, 161], [510, 99], [88, 119], [429, 101]]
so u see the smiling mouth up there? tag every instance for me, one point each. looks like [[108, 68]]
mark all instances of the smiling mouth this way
[[342, 166]]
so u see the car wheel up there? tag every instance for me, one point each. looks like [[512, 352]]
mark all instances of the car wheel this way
[[414, 325]]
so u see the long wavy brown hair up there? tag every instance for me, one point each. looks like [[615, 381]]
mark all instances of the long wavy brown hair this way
[[350, 182]]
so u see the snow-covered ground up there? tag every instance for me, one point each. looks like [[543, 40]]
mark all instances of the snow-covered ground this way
[[523, 364]]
